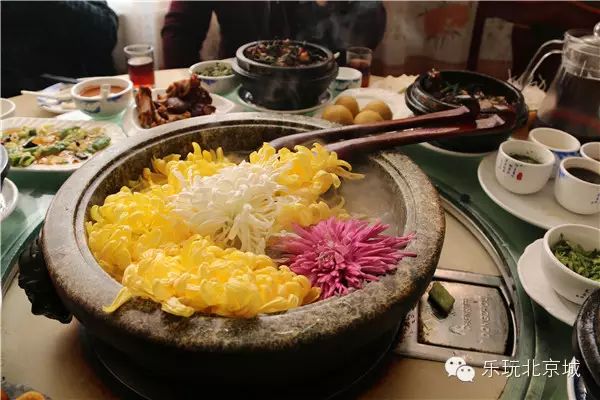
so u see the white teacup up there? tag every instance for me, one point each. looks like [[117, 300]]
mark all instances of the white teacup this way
[[523, 177], [347, 78], [591, 151], [105, 104], [558, 142], [575, 194], [566, 282]]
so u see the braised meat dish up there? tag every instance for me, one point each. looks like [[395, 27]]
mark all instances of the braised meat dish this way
[[183, 99]]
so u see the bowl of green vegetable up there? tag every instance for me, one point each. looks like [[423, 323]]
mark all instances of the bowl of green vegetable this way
[[571, 260], [217, 75]]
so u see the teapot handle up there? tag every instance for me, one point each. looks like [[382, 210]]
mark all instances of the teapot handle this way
[[527, 76]]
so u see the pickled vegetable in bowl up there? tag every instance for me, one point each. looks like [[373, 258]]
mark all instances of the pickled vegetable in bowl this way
[[205, 234]]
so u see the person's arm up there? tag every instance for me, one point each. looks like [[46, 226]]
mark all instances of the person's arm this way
[[185, 28]]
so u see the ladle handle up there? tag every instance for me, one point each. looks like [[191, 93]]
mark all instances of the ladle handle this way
[[348, 148], [35, 281], [445, 117]]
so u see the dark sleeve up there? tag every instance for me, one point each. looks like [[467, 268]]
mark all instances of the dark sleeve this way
[[340, 24], [72, 38], [86, 23], [96, 25], [185, 28], [363, 23], [95, 18]]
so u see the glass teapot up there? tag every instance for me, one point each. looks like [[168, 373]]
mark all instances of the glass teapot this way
[[572, 103]]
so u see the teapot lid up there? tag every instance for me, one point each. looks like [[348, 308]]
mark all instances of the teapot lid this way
[[593, 39]]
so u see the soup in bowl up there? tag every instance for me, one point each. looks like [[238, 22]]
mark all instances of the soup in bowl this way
[[102, 97]]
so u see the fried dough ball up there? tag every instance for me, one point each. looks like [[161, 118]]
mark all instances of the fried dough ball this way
[[349, 102], [367, 116], [31, 395], [380, 108], [338, 114]]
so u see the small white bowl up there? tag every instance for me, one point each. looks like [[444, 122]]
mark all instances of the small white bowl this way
[[522, 177], [215, 84], [591, 151], [574, 194], [7, 108], [99, 106], [558, 142], [567, 283], [347, 78]]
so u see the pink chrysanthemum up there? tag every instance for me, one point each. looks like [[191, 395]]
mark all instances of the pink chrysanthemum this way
[[339, 255]]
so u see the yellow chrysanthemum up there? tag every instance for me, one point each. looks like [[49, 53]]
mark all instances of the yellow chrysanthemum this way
[[147, 238]]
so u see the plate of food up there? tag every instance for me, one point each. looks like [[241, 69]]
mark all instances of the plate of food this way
[[183, 99], [20, 392], [364, 105], [540, 209], [43, 144]]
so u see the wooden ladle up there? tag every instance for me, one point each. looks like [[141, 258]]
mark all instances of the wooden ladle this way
[[380, 135]]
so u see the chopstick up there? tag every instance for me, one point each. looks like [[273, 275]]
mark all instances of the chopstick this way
[[441, 118], [57, 78]]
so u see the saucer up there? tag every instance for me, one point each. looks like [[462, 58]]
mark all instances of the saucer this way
[[540, 209], [245, 98], [538, 287]]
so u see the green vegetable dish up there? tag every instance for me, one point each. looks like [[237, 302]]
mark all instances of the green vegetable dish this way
[[574, 257], [50, 146], [218, 69]]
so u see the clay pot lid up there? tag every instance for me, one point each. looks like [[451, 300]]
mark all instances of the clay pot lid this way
[[85, 287]]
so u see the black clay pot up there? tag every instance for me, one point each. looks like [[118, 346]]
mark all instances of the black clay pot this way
[[586, 344], [421, 101], [286, 88]]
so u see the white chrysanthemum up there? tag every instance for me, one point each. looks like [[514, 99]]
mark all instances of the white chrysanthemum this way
[[237, 206]]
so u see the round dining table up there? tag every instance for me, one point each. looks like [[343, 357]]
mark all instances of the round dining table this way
[[49, 356]]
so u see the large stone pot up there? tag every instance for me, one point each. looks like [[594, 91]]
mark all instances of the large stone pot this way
[[292, 346]]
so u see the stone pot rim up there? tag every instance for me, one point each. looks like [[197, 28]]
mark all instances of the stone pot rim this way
[[80, 279]]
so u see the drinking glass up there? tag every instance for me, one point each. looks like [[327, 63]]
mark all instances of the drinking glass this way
[[360, 58], [140, 63]]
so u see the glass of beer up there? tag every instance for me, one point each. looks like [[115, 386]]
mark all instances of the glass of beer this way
[[140, 63], [360, 58]]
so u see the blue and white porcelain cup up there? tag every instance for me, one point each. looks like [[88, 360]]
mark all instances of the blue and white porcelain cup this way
[[105, 104], [347, 78], [560, 143]]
